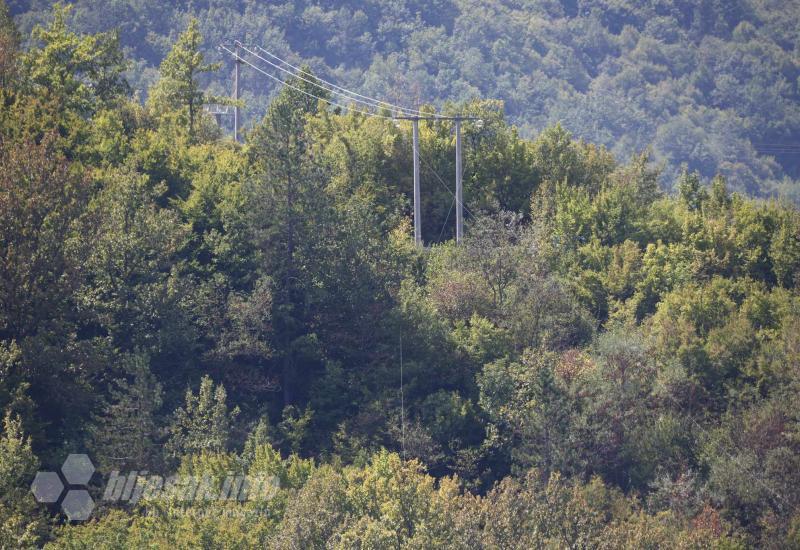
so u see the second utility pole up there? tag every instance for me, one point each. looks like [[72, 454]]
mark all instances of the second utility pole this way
[[459, 187], [417, 206], [236, 91], [459, 174], [237, 83]]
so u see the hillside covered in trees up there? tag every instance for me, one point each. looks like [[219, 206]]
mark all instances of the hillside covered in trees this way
[[600, 364], [708, 83]]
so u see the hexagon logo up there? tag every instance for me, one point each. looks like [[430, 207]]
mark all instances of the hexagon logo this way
[[47, 487], [77, 469], [77, 505]]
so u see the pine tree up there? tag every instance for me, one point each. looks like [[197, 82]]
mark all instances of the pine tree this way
[[9, 47], [289, 210], [179, 89], [20, 524], [126, 432], [204, 423], [79, 73]]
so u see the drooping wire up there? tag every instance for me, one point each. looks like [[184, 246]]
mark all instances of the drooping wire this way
[[328, 101], [402, 401], [352, 109], [313, 81], [446, 219], [343, 91], [441, 181]]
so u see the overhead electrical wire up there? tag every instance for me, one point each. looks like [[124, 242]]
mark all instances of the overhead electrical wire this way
[[308, 81], [402, 400], [315, 81], [769, 144], [446, 219], [406, 111], [442, 182], [328, 101], [335, 104], [777, 148], [770, 152]]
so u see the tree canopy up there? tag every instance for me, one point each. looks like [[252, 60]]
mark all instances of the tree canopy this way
[[604, 361], [709, 84]]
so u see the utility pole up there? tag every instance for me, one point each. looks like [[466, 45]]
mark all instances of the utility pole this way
[[459, 187], [236, 93], [417, 206], [459, 174], [237, 82], [459, 194]]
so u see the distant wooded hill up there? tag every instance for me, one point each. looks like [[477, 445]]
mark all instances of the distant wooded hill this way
[[709, 83]]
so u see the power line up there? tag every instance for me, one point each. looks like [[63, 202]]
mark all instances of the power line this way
[[446, 219], [781, 152], [768, 144], [369, 100], [460, 207], [438, 177], [402, 400], [328, 101], [312, 81]]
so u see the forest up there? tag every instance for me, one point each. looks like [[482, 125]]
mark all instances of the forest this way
[[609, 359], [710, 84]]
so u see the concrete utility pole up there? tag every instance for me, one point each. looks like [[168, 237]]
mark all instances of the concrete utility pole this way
[[414, 117], [459, 187], [417, 205], [236, 93], [237, 82], [459, 174]]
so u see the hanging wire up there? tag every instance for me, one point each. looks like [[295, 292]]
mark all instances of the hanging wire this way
[[345, 107], [402, 401], [314, 81], [328, 101], [344, 91], [438, 177], [446, 219]]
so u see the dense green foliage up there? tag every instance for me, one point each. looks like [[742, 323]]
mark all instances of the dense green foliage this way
[[599, 364], [708, 83]]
